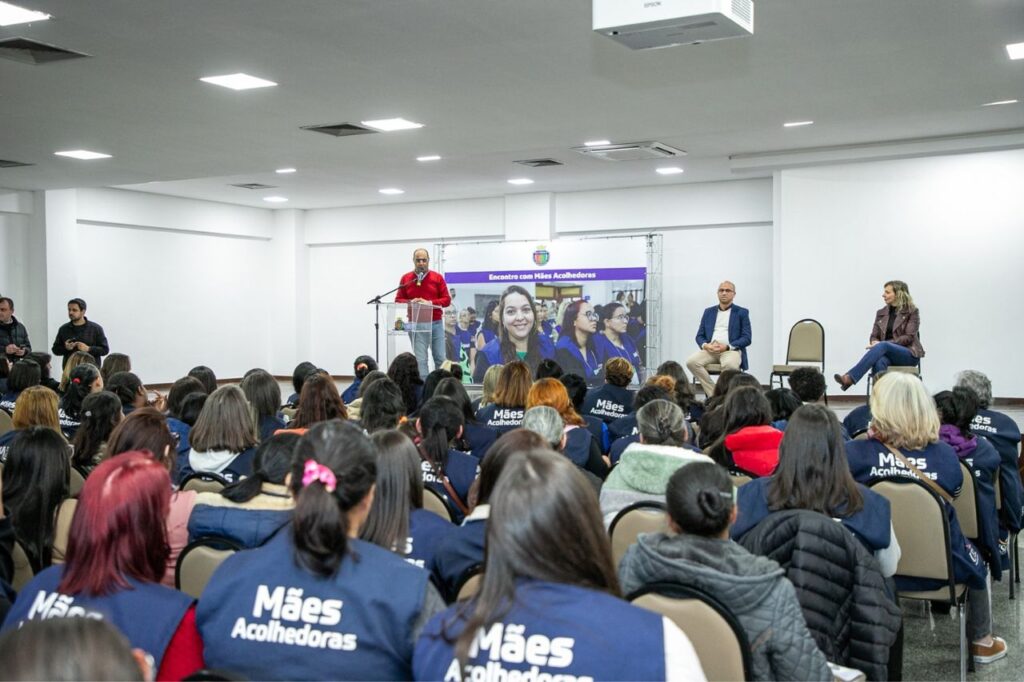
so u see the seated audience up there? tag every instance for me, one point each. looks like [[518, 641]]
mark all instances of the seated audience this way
[[101, 413], [612, 399], [580, 445], [487, 387], [712, 422], [479, 437], [905, 421], [180, 390], [71, 649], [264, 395], [206, 377], [576, 386], [749, 444], [299, 374], [549, 368], [23, 374], [145, 430], [397, 520], [251, 510], [382, 405], [358, 598], [808, 384], [445, 467], [405, 371], [224, 438], [783, 403], [45, 362], [645, 467], [72, 361], [84, 380], [957, 409], [463, 548], [362, 366], [117, 551], [813, 474], [624, 429], [685, 396], [550, 578], [35, 482], [37, 406], [320, 402], [129, 388], [431, 382], [114, 363], [754, 588], [506, 412]]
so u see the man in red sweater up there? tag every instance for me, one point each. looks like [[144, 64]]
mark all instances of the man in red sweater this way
[[426, 327]]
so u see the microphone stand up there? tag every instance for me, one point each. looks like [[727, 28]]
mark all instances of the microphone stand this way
[[376, 320]]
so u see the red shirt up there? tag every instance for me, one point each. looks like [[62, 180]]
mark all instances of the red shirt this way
[[433, 288], [755, 449]]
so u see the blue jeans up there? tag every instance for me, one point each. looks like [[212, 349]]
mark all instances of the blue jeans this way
[[880, 357], [430, 336]]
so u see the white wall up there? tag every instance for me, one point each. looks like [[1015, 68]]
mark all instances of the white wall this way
[[951, 227]]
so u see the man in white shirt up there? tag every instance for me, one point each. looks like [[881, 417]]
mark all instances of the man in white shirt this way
[[723, 337]]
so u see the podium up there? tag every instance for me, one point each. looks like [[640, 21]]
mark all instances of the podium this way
[[401, 323]]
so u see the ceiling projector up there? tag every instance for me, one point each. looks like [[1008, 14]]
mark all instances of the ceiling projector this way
[[649, 24]]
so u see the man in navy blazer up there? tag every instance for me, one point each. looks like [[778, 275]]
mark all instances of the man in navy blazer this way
[[723, 337]]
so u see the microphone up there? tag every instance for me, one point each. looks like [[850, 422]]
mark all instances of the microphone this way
[[420, 276]]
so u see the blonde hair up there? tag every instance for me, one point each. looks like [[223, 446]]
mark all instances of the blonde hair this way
[[902, 294], [490, 383], [903, 415], [36, 406], [74, 360]]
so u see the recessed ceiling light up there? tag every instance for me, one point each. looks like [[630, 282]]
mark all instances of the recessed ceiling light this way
[[276, 200], [238, 81], [1002, 101], [596, 143], [282, 171], [391, 190], [387, 125], [520, 181], [83, 154], [669, 170], [12, 14], [797, 124], [1015, 50], [429, 157]]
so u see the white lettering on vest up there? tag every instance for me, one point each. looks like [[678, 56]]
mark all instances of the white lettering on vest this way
[[57, 605]]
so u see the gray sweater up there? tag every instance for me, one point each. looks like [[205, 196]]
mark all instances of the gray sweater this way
[[754, 588]]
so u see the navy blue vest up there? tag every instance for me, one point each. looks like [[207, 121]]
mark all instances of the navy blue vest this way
[[8, 400], [870, 460], [619, 446], [573, 361], [480, 439], [427, 530], [264, 617], [501, 419], [609, 402], [460, 550], [68, 425], [490, 354], [607, 350], [461, 469], [577, 446], [1004, 434], [551, 630], [5, 443], [983, 462], [239, 468], [624, 426], [163, 608]]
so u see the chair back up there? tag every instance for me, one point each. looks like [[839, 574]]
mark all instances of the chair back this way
[[469, 582], [806, 342], [717, 636], [6, 423], [204, 482], [76, 482], [62, 529], [434, 502], [739, 480], [966, 505], [198, 561], [919, 521], [23, 572], [637, 518]]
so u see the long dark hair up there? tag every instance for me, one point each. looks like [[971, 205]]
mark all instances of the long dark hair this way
[[35, 481], [783, 402], [498, 455], [957, 407], [568, 322], [180, 390], [745, 406], [439, 423], [685, 397], [125, 385], [508, 349], [405, 372], [432, 380], [545, 524], [487, 323], [319, 402], [79, 386], [320, 522], [383, 407], [271, 464], [699, 498], [453, 389], [100, 414], [24, 374], [263, 393], [813, 471], [399, 489]]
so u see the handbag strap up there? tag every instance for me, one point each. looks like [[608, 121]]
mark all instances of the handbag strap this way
[[932, 485]]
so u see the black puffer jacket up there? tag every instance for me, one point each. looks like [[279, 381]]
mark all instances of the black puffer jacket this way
[[839, 586]]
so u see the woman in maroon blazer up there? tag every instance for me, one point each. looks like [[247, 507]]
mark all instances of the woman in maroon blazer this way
[[895, 339]]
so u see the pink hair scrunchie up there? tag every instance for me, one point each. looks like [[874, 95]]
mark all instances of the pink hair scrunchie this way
[[314, 471]]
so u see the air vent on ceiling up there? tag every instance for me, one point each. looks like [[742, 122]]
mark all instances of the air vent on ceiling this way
[[35, 52], [254, 185], [539, 163], [631, 151], [4, 163], [340, 129]]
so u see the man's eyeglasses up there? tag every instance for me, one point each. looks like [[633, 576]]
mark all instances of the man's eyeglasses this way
[[726, 291]]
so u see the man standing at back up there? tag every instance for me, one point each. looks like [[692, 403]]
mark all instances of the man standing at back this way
[[14, 341], [426, 327], [723, 337], [80, 334]]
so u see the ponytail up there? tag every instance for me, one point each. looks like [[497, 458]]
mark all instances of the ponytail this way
[[80, 382], [439, 424], [332, 471], [271, 464]]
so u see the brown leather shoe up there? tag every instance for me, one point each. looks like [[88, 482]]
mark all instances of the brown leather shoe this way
[[843, 380]]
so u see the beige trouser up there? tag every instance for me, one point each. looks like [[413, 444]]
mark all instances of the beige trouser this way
[[698, 362]]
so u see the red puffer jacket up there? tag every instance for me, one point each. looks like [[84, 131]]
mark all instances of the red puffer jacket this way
[[755, 449]]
